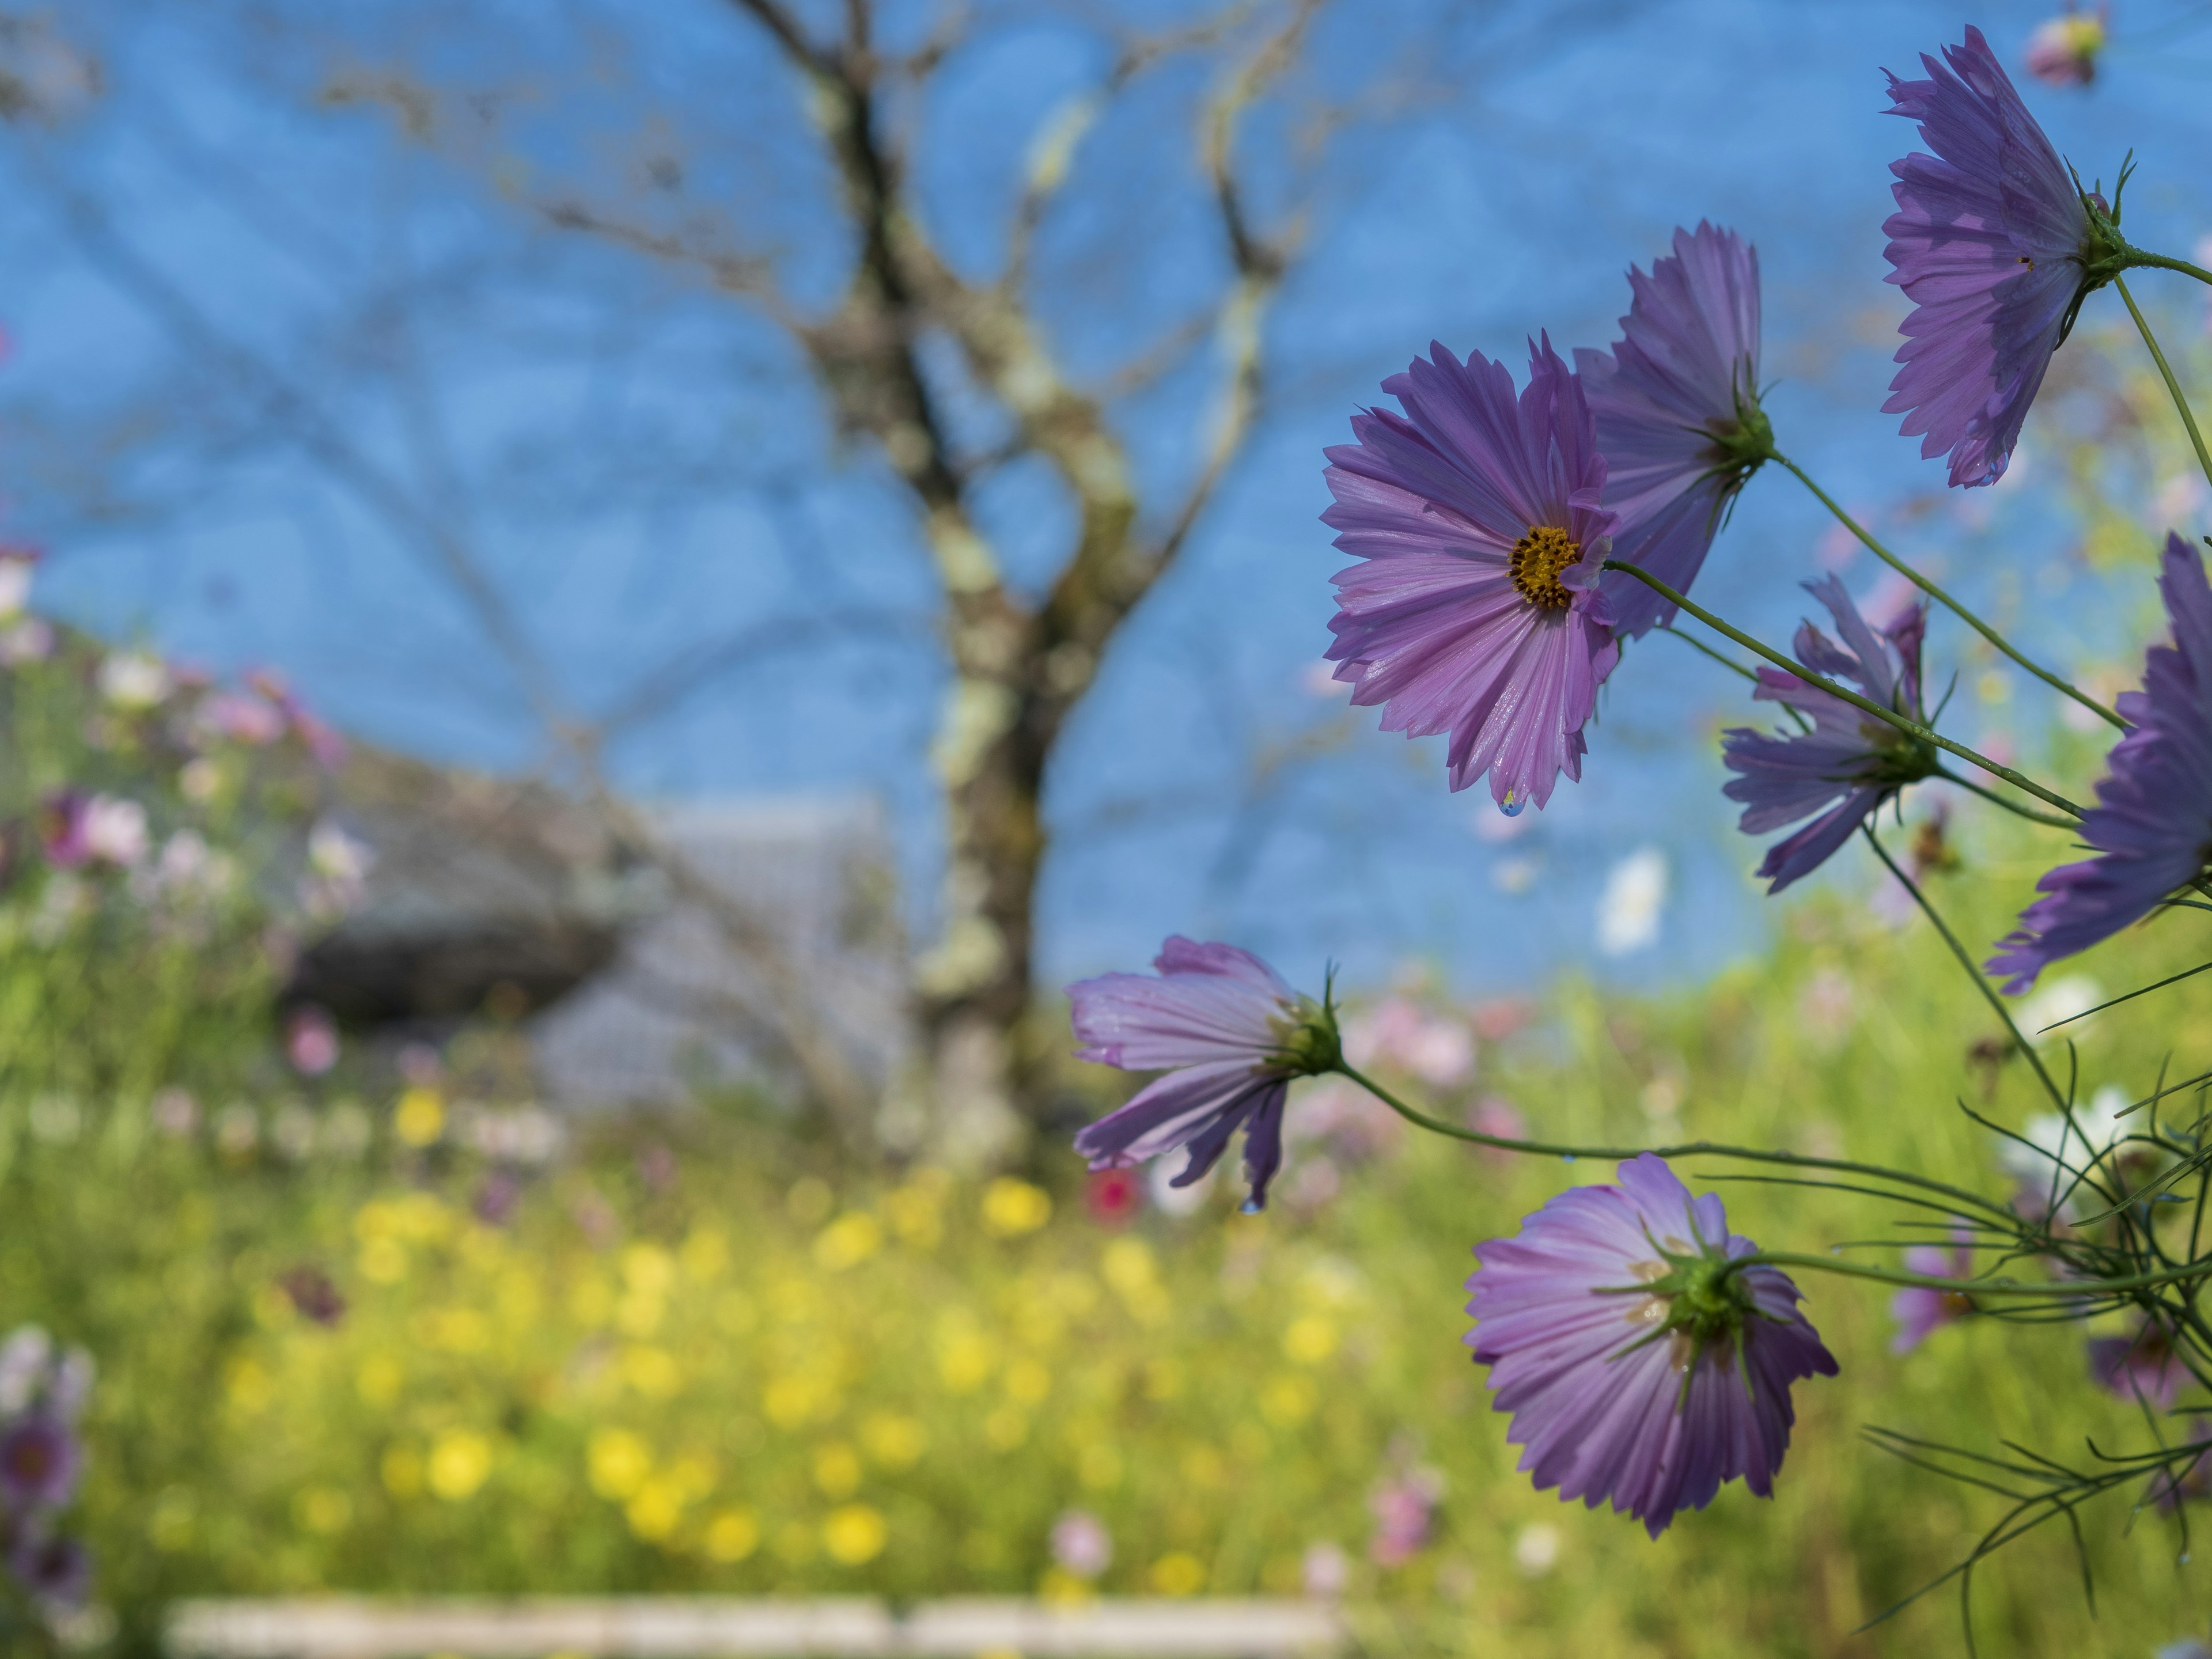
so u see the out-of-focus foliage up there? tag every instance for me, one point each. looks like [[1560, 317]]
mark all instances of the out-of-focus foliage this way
[[390, 1346], [157, 858]]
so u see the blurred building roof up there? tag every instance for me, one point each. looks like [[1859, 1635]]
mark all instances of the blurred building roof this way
[[640, 960], [674, 1010]]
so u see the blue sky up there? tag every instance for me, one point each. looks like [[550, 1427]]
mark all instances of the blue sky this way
[[643, 468]]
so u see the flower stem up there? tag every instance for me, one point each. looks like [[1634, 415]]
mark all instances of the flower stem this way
[[1946, 601], [1973, 971], [1867, 705], [2068, 1291], [2013, 807], [1420, 1119], [2138, 257], [2165, 373]]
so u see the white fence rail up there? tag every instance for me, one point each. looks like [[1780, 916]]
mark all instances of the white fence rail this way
[[693, 1627]]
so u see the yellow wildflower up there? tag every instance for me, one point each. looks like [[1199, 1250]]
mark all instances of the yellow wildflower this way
[[655, 1511], [419, 1117], [652, 1371], [836, 1469], [322, 1510], [1310, 1340], [617, 1462], [1027, 1381], [1177, 1574], [853, 1534], [460, 1462], [893, 1441], [849, 1241], [1012, 1207], [732, 1536]]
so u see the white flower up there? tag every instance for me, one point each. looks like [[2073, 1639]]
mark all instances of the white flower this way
[[134, 679], [336, 856], [2061, 1002], [2098, 1127], [1635, 893], [115, 829], [16, 572]]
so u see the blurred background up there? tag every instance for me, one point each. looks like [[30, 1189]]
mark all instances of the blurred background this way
[[602, 601]]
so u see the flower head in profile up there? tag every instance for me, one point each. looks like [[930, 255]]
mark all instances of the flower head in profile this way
[[1639, 1366], [1228, 1033], [1848, 762], [1995, 246], [1676, 403], [2153, 822], [1474, 609], [2064, 50], [1921, 1310]]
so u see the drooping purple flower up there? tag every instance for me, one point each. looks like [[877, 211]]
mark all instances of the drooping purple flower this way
[[2152, 822], [1995, 246], [2191, 1481], [1848, 757], [1920, 1310], [53, 1571], [1676, 403], [1636, 1365], [40, 1460], [2142, 1367], [1475, 608], [1229, 1034]]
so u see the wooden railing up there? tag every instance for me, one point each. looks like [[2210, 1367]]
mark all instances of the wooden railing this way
[[696, 1627]]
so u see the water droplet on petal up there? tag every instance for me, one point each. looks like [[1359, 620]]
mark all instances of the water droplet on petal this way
[[2183, 1558], [1566, 1158], [1249, 1206], [1512, 805]]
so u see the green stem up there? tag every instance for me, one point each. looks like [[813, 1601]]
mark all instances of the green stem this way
[[2013, 807], [1867, 705], [1973, 972], [2165, 373], [2070, 1290], [1414, 1116], [2138, 257], [1946, 601]]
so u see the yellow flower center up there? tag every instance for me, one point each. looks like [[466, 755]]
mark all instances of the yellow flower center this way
[[1538, 559]]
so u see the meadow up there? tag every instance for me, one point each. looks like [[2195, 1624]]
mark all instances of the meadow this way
[[386, 1343]]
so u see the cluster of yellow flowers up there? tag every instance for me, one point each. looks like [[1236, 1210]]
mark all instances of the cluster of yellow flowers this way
[[901, 1388]]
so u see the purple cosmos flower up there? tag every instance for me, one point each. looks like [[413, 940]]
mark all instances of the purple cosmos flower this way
[[1635, 1365], [38, 1462], [1230, 1035], [1676, 403], [2142, 1367], [1475, 608], [2153, 820], [54, 1572], [1920, 1312], [1995, 246], [1848, 757]]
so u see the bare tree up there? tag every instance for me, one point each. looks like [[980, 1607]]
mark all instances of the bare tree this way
[[950, 376]]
